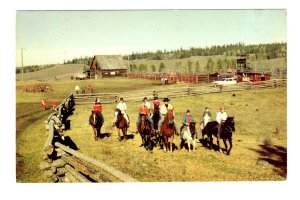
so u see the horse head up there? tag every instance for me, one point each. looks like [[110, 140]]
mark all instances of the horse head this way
[[95, 118], [169, 117], [193, 127], [230, 123]]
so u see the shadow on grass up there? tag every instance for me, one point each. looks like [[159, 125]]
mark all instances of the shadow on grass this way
[[276, 156], [67, 142], [129, 136], [104, 135], [214, 147]]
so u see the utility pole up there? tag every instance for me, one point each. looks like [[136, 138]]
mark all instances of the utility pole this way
[[22, 63]]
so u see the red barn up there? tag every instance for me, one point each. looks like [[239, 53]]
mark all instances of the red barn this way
[[253, 76]]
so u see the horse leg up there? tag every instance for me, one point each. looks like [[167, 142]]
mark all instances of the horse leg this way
[[119, 134], [230, 143], [225, 144], [189, 145], [95, 133], [124, 133], [219, 149], [194, 145], [165, 143], [171, 143]]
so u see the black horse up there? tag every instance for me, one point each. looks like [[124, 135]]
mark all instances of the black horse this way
[[145, 131], [227, 128], [96, 121]]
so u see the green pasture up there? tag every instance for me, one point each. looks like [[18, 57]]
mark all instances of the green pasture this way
[[261, 133]]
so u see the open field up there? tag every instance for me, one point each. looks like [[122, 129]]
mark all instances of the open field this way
[[255, 125]]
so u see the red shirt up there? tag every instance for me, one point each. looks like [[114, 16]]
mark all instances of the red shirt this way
[[43, 102], [54, 103], [97, 107], [156, 103]]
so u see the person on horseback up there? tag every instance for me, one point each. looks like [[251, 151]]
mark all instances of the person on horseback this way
[[156, 102], [145, 110], [220, 118], [97, 106], [163, 111], [187, 119], [122, 107], [206, 113]]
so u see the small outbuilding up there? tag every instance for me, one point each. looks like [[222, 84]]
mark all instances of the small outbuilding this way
[[253, 76], [107, 66]]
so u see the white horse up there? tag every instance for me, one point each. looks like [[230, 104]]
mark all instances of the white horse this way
[[189, 137]]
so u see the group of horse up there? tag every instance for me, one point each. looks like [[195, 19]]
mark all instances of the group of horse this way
[[165, 136]]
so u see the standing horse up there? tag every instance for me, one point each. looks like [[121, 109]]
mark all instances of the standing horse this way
[[189, 136], [96, 121], [168, 130], [156, 118], [226, 132], [145, 131], [121, 124]]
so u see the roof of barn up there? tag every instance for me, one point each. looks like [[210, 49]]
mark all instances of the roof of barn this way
[[110, 61]]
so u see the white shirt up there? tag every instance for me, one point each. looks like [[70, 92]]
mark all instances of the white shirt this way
[[147, 104], [164, 109], [221, 117], [122, 106]]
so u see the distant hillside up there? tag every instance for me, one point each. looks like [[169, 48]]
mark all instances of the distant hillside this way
[[56, 72], [181, 65]]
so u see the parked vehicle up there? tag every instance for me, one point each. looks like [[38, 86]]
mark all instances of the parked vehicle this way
[[225, 81]]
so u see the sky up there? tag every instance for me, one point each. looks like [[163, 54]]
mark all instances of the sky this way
[[50, 37]]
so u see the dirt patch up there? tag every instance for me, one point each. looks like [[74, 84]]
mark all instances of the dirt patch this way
[[37, 87], [20, 166]]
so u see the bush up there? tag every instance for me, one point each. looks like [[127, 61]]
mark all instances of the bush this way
[[268, 141]]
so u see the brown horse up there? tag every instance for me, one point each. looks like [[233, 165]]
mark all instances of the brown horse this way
[[96, 121], [168, 129], [145, 131], [156, 118], [121, 124]]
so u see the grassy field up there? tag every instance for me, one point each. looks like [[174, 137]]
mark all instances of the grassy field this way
[[260, 117]]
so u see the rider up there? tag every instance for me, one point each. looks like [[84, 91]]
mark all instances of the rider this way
[[220, 118], [97, 106], [206, 112], [187, 119], [123, 107], [155, 102], [144, 109], [44, 104], [163, 111]]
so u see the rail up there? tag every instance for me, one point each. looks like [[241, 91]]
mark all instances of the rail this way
[[64, 164]]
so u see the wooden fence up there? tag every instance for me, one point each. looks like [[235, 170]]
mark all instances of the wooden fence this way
[[196, 78], [136, 96], [64, 164]]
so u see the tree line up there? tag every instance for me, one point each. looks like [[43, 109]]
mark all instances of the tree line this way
[[32, 68], [259, 51]]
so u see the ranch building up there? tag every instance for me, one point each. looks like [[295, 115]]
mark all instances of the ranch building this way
[[252, 76], [107, 66]]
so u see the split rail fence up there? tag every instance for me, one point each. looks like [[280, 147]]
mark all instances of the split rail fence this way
[[176, 92], [64, 164]]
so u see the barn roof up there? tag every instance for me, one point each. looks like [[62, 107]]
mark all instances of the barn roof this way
[[109, 61]]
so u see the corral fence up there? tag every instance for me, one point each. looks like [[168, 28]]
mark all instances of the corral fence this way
[[61, 163], [136, 96], [196, 78]]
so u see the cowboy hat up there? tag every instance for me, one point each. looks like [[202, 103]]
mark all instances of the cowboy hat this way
[[166, 100]]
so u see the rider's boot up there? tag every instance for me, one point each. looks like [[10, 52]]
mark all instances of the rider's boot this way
[[114, 124]]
